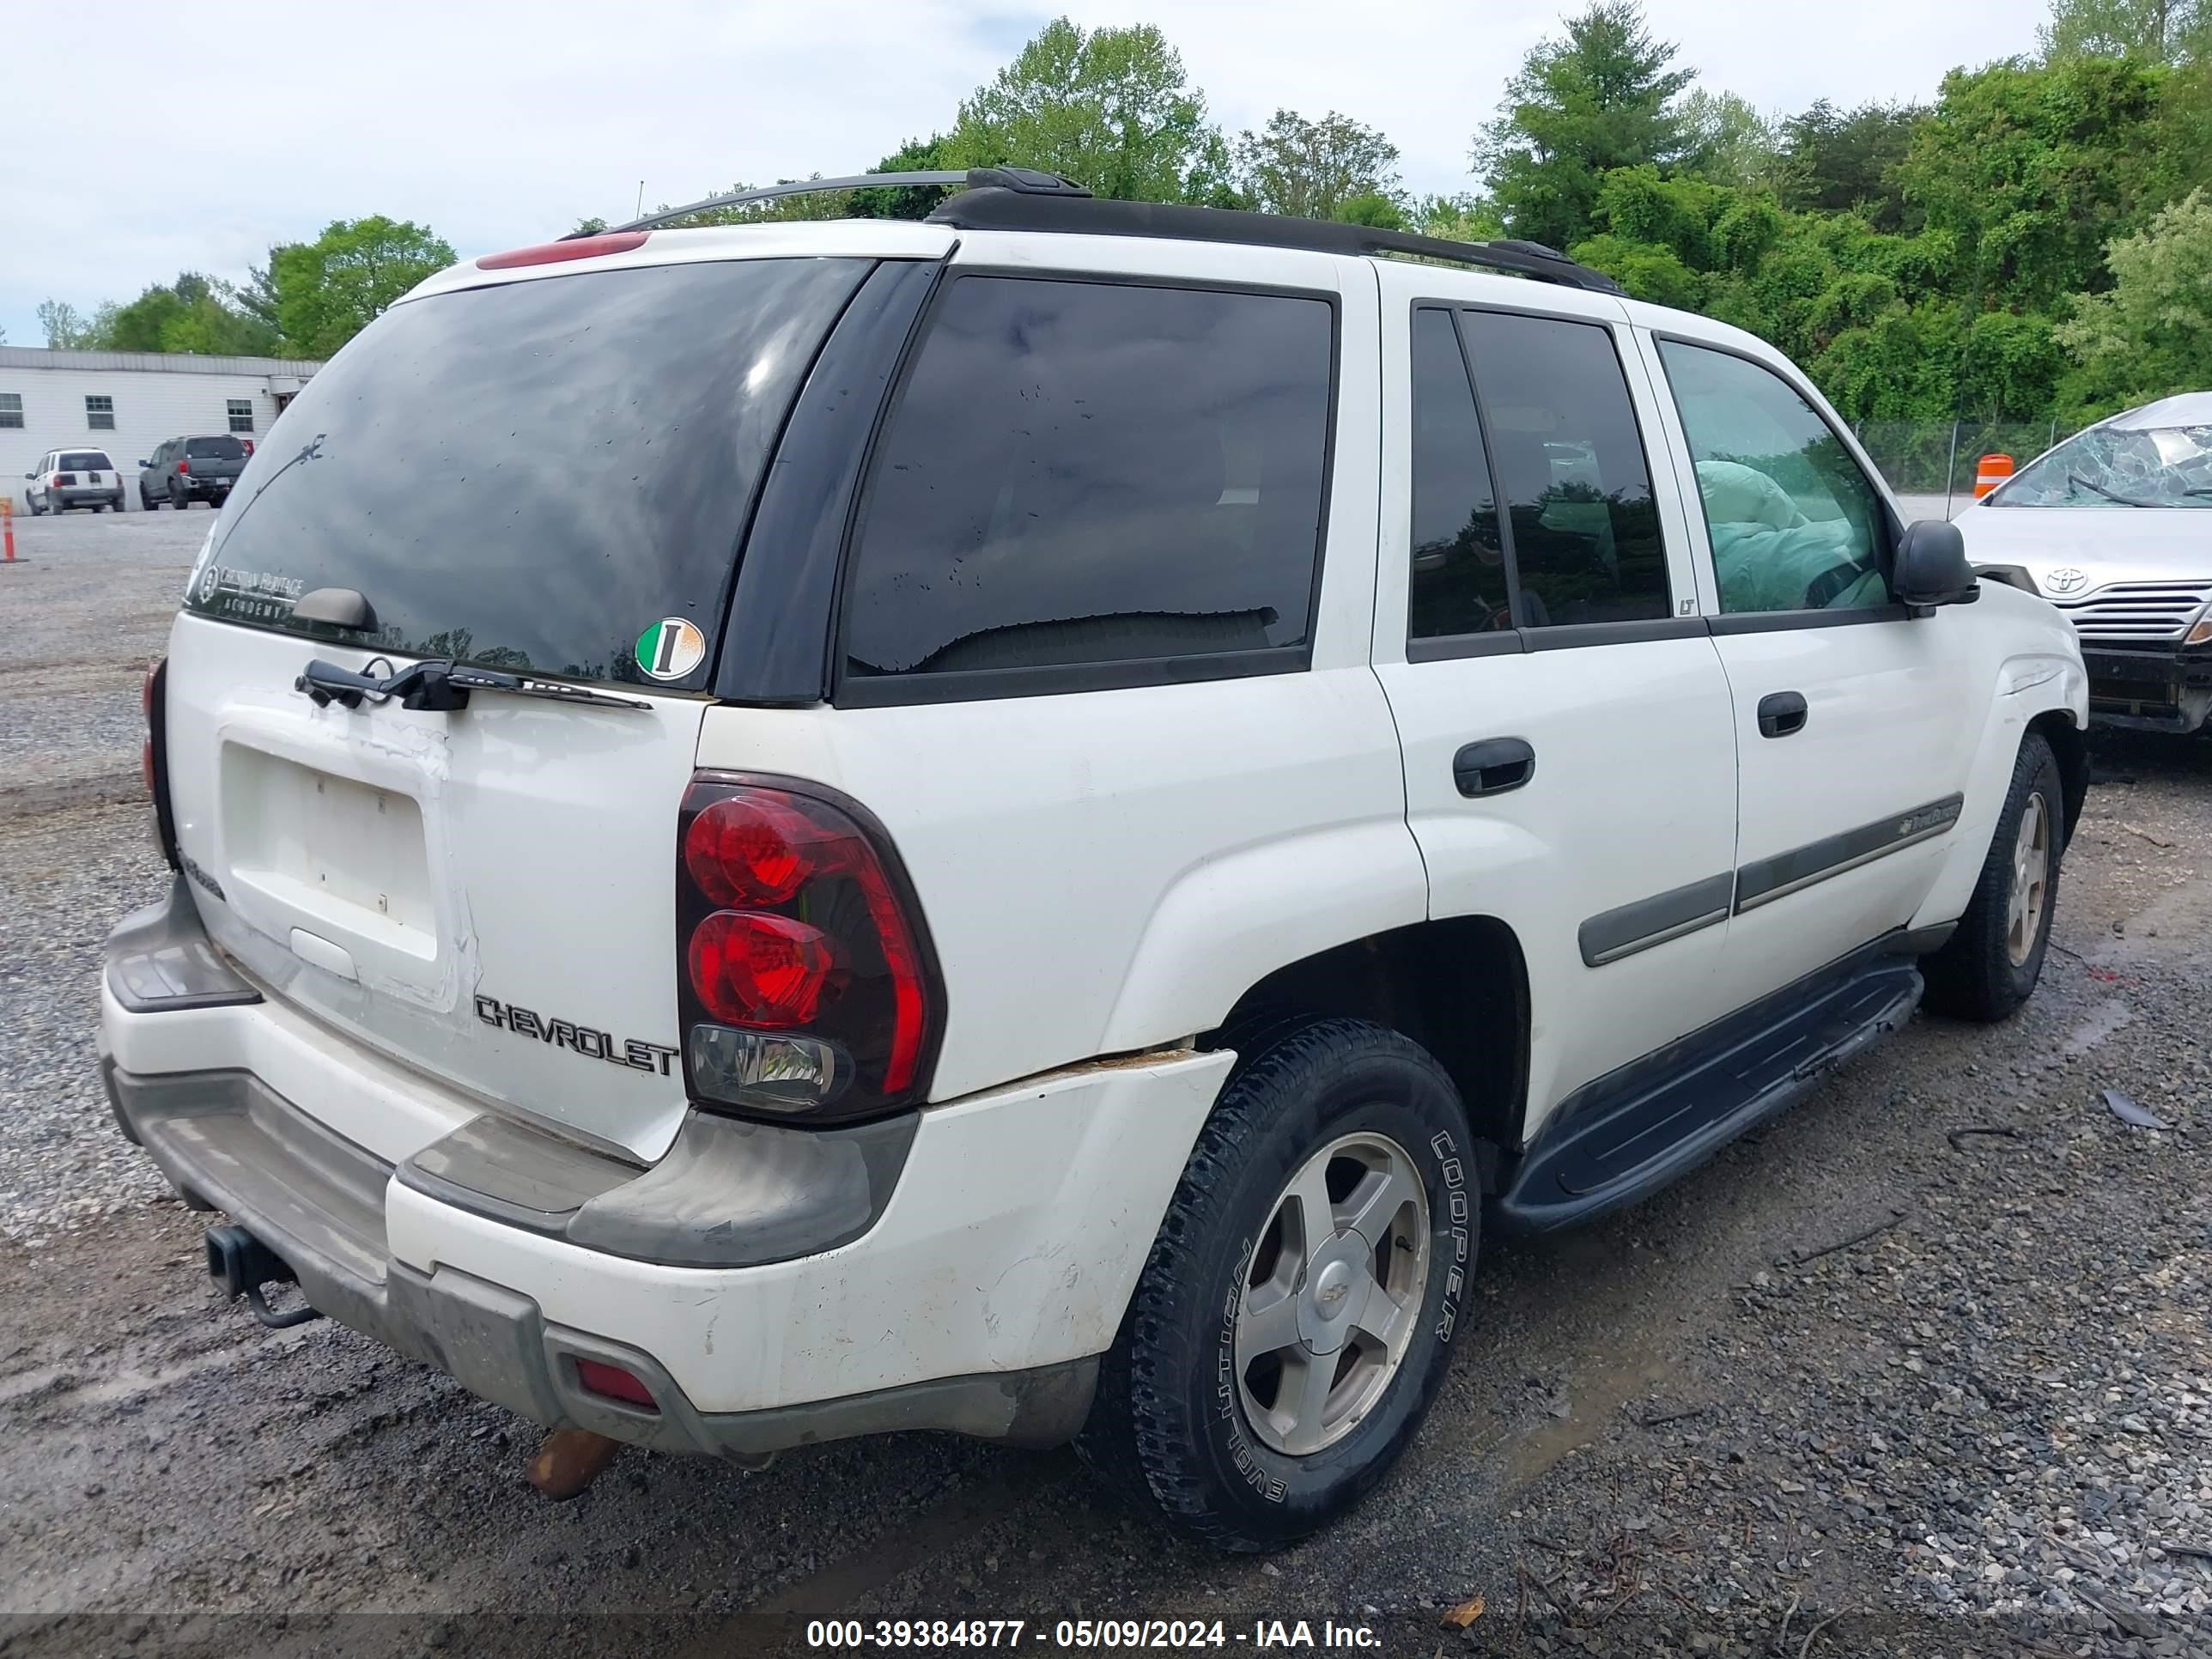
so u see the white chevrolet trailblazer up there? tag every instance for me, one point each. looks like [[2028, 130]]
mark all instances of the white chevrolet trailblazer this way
[[1029, 823]]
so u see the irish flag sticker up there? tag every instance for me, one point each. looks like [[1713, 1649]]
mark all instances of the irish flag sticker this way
[[671, 648]]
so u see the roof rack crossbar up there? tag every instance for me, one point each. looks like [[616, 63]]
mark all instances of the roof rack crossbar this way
[[1018, 181]]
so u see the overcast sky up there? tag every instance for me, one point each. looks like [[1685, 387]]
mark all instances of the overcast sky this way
[[127, 161]]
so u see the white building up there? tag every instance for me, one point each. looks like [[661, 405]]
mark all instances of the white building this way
[[127, 402]]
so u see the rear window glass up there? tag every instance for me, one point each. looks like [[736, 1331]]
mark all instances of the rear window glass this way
[[86, 460], [534, 475], [1088, 472], [1458, 579], [215, 449], [1570, 462]]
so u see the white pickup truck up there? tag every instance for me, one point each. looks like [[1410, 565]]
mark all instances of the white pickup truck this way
[[1028, 823]]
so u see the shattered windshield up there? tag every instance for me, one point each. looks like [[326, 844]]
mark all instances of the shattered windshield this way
[[2110, 466]]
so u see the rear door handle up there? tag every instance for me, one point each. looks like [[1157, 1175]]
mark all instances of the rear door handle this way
[[1781, 712], [1494, 766]]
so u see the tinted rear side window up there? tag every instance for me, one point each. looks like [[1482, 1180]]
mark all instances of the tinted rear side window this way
[[1458, 582], [534, 476], [214, 449], [1570, 461], [1095, 473]]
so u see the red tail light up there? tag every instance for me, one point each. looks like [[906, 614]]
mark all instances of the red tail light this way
[[183, 466], [807, 982], [54, 482], [764, 971]]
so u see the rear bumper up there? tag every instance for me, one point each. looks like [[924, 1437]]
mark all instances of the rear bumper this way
[[229, 1143], [2168, 690], [79, 496], [960, 1271]]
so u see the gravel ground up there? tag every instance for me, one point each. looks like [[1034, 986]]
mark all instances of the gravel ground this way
[[1921, 1369], [88, 603]]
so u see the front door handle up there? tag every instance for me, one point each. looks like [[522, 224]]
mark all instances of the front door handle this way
[[1781, 712], [1494, 766]]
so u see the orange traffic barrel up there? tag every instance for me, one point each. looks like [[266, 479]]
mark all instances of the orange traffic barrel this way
[[1990, 472]]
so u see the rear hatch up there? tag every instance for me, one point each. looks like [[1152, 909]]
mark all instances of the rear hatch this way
[[548, 477], [215, 461], [87, 469]]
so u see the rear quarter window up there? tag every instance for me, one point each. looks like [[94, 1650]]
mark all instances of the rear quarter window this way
[[1096, 476]]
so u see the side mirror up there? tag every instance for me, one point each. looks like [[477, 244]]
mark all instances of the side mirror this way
[[145, 463], [1932, 568]]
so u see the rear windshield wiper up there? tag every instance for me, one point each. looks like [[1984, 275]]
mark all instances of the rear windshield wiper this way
[[441, 685]]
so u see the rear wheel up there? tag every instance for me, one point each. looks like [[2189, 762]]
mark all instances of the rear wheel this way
[[1297, 1312], [1991, 964]]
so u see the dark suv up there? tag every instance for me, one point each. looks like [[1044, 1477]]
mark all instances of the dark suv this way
[[187, 470]]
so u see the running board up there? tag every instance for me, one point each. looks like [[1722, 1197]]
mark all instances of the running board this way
[[1630, 1133]]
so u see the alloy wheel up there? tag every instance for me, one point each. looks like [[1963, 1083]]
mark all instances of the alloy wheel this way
[[2031, 881], [1333, 1294]]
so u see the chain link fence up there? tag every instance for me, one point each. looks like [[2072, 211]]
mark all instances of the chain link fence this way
[[1938, 459]]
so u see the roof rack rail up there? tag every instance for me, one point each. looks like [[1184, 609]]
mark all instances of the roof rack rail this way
[[1024, 199], [987, 206], [1026, 181]]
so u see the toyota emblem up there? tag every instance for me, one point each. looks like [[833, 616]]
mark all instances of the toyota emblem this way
[[2066, 579]]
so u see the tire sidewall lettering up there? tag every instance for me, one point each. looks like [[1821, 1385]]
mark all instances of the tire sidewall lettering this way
[[1454, 1221]]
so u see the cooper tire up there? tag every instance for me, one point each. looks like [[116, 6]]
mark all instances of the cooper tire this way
[[1185, 1422], [1991, 964]]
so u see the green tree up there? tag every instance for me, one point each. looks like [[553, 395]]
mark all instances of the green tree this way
[[909, 201], [2151, 335], [1373, 208], [65, 330], [1457, 218], [2155, 31], [1314, 169], [195, 314], [258, 299], [329, 289], [2035, 168], [2009, 366], [1108, 109], [1599, 99], [1837, 160], [1729, 142]]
